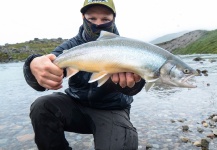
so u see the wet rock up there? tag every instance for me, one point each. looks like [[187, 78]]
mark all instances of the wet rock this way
[[198, 59], [211, 135], [204, 144], [148, 146], [185, 128], [212, 124], [173, 121], [200, 130], [181, 120], [214, 131]]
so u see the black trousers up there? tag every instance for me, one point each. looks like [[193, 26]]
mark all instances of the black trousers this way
[[53, 114]]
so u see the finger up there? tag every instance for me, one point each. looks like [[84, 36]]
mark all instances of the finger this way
[[122, 80], [53, 69], [55, 78], [51, 56], [137, 78], [49, 84], [130, 79], [115, 78]]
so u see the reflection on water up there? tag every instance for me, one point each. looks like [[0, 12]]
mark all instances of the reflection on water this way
[[151, 112]]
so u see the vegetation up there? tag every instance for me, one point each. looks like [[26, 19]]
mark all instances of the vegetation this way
[[20, 51], [207, 44]]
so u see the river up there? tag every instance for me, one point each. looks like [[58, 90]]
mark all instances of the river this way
[[158, 114]]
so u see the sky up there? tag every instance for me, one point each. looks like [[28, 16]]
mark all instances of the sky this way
[[24, 20]]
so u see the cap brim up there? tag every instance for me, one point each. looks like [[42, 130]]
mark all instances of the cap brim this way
[[85, 8]]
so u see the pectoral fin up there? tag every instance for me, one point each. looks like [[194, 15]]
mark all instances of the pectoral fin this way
[[103, 80], [97, 76], [149, 85], [71, 72]]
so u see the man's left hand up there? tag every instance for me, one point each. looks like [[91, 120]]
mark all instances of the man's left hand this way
[[125, 79]]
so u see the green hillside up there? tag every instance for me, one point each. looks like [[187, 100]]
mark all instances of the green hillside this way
[[20, 51], [207, 44]]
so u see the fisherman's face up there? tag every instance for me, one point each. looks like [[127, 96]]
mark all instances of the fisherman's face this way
[[99, 15]]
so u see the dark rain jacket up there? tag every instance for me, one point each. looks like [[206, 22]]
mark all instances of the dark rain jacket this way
[[108, 96]]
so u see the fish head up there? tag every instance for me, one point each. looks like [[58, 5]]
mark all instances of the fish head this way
[[177, 73]]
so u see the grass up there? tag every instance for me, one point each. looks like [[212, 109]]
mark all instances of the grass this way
[[207, 44]]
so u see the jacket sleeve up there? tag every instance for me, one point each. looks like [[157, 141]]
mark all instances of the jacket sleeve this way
[[30, 78]]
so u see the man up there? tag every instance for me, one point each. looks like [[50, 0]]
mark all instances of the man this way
[[84, 107]]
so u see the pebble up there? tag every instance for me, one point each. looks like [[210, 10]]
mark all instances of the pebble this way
[[200, 129], [185, 128], [214, 118], [184, 139], [205, 124], [197, 143]]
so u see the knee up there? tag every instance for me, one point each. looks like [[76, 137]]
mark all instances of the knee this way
[[37, 107]]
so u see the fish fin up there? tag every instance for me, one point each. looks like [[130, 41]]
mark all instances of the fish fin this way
[[149, 85], [104, 35], [103, 80], [97, 76], [71, 72]]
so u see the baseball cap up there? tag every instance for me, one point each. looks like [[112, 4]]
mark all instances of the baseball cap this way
[[107, 3]]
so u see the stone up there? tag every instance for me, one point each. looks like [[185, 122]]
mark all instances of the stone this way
[[214, 118], [184, 139], [197, 143], [25, 137]]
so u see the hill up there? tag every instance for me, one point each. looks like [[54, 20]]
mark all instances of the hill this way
[[20, 51], [168, 37], [195, 42]]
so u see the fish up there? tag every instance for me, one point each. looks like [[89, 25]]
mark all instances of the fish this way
[[112, 53]]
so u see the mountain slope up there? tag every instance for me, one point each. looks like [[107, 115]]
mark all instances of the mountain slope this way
[[168, 37]]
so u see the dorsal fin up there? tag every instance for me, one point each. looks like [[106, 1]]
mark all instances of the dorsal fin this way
[[104, 35]]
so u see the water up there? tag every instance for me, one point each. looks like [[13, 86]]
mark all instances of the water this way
[[151, 112]]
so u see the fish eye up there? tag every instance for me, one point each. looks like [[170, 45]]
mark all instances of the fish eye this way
[[186, 71]]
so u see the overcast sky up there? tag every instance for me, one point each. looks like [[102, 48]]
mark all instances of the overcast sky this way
[[24, 20]]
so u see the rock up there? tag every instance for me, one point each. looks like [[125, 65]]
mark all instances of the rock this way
[[214, 131], [185, 128], [214, 118], [198, 59], [205, 124], [200, 130], [205, 144], [181, 120], [212, 123], [184, 139], [148, 146], [197, 143], [211, 135], [173, 121]]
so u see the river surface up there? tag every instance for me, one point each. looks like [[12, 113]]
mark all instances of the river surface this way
[[151, 111]]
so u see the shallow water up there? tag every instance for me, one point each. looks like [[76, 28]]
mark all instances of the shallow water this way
[[151, 111]]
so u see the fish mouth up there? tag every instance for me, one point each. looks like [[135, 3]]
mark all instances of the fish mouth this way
[[185, 81]]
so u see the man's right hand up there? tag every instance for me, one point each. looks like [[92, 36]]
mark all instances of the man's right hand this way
[[46, 73]]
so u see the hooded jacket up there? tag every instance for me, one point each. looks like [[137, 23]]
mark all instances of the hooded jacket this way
[[108, 96]]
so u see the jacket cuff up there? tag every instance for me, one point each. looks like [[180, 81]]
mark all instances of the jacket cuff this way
[[29, 77]]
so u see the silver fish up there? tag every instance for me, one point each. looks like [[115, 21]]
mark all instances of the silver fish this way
[[111, 54]]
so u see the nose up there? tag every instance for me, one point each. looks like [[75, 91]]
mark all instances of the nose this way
[[98, 22]]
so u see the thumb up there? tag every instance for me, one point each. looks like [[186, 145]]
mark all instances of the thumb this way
[[51, 56]]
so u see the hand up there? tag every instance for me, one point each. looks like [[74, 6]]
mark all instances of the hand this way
[[46, 73], [125, 79]]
